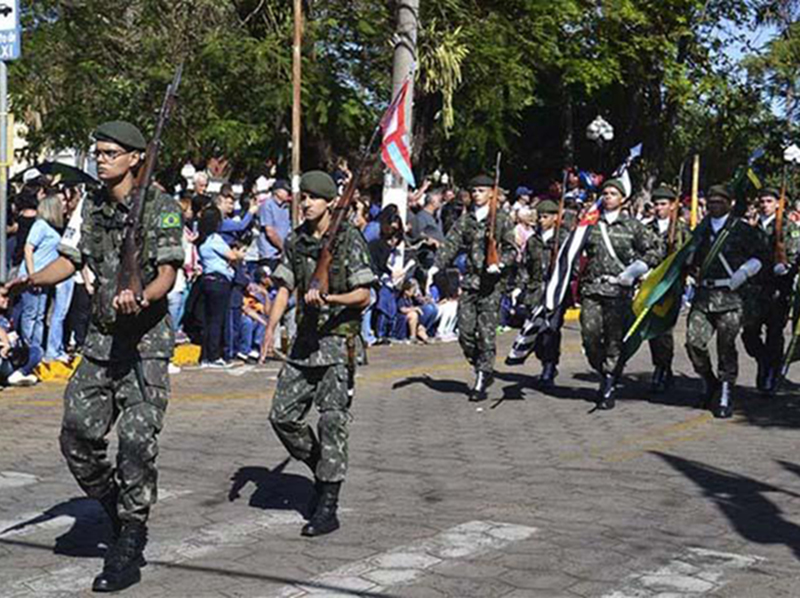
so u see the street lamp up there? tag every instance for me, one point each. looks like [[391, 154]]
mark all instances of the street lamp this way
[[600, 132]]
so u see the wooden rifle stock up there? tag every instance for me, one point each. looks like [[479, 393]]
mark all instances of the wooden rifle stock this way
[[780, 242], [129, 277], [492, 257]]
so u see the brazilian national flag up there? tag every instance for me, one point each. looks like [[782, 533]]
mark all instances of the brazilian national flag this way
[[658, 303]]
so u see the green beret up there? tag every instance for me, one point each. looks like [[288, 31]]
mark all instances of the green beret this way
[[721, 190], [547, 206], [122, 133], [319, 184], [616, 184], [481, 180], [664, 192], [769, 192]]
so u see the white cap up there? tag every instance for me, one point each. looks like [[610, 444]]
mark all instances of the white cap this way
[[30, 175], [263, 184]]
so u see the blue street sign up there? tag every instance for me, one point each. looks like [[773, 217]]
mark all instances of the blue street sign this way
[[10, 31]]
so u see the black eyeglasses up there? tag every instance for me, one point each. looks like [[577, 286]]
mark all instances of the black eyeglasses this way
[[108, 155]]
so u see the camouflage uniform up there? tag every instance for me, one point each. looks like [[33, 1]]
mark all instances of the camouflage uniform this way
[[768, 300], [533, 275], [120, 354], [605, 305], [320, 368], [719, 310], [662, 348], [479, 303]]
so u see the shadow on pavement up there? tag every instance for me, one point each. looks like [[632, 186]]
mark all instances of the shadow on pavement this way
[[441, 386], [743, 501], [327, 589], [273, 488], [90, 532]]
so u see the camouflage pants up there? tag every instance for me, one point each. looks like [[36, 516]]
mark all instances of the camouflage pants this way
[[327, 389], [604, 322], [765, 313], [662, 350], [478, 318], [701, 327], [97, 396]]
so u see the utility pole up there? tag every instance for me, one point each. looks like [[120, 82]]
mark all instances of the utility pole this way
[[297, 83], [395, 189]]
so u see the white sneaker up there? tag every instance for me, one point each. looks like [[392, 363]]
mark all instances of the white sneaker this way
[[219, 364], [17, 378], [173, 369]]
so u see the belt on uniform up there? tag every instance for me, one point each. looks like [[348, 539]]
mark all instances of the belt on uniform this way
[[719, 283]]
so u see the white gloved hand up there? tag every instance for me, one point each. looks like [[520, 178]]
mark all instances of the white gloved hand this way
[[631, 274], [738, 279], [494, 269], [515, 295], [780, 269]]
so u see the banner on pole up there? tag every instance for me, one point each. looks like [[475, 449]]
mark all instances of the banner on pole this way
[[10, 32]]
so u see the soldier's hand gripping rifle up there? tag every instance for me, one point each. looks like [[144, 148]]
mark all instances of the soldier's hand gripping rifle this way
[[492, 257], [129, 277]]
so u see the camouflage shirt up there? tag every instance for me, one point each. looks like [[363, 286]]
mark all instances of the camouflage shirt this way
[[322, 333], [743, 243], [682, 234], [469, 235], [536, 265], [94, 238], [631, 241], [791, 241]]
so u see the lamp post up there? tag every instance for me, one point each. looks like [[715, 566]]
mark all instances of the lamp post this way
[[600, 132]]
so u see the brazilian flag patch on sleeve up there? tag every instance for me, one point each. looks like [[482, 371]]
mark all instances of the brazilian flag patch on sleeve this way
[[171, 220]]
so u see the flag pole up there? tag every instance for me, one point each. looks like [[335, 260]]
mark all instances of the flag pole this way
[[695, 192], [297, 88]]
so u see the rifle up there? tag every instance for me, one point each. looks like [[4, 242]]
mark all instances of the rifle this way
[[780, 242], [492, 258], [556, 244], [320, 280], [129, 277], [674, 212]]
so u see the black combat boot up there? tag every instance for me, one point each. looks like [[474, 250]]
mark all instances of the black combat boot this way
[[109, 503], [657, 383], [710, 388], [547, 379], [669, 379], [605, 399], [724, 409], [483, 380], [124, 560], [324, 520]]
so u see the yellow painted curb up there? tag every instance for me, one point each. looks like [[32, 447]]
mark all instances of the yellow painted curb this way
[[56, 371]]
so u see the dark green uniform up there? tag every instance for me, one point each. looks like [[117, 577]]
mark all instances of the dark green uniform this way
[[715, 307], [767, 302], [121, 354], [535, 269], [605, 305], [320, 368], [662, 348], [479, 303]]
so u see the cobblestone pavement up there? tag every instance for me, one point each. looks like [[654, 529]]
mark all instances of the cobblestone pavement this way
[[527, 495]]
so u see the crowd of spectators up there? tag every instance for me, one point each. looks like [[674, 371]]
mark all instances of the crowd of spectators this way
[[233, 240]]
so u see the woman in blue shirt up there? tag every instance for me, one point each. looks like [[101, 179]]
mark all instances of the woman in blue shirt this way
[[41, 248], [217, 259]]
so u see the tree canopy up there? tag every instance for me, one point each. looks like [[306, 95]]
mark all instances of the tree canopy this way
[[522, 76]]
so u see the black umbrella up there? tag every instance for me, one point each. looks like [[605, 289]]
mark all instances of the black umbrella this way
[[69, 174]]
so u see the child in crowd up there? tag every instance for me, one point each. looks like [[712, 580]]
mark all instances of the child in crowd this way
[[17, 361], [418, 314]]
